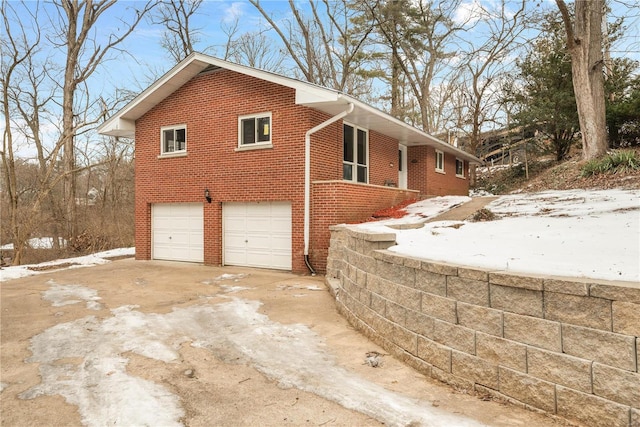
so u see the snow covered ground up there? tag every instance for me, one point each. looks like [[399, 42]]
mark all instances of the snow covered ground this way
[[574, 233], [8, 273], [37, 243]]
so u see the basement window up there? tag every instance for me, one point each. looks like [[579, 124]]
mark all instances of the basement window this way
[[174, 139], [254, 131]]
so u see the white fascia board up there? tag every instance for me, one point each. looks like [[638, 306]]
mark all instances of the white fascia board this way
[[312, 95], [118, 127], [151, 96]]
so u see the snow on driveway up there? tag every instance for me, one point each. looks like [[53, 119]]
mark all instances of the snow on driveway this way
[[575, 233], [234, 331]]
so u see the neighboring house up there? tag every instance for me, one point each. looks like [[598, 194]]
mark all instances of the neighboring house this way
[[239, 166]]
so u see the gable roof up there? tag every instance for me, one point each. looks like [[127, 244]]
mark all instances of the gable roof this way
[[329, 101]]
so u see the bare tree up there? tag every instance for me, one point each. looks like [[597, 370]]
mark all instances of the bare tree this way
[[256, 50], [486, 67], [584, 43], [176, 16], [422, 38], [326, 47], [77, 20], [36, 99], [253, 49], [17, 50]]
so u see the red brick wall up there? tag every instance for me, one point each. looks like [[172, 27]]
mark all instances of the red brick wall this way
[[339, 202], [209, 105], [326, 149], [383, 159], [422, 175]]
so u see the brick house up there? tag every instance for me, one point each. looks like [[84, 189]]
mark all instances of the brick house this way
[[239, 166]]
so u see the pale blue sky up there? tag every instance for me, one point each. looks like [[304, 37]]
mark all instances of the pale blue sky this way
[[142, 59], [147, 58]]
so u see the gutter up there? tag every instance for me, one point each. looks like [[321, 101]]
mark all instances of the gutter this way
[[307, 179]]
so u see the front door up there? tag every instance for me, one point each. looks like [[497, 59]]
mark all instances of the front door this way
[[402, 166]]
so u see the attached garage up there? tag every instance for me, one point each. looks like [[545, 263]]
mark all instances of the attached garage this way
[[257, 234], [177, 232]]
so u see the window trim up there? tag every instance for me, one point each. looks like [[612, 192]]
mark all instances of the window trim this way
[[441, 168], [462, 175], [257, 144], [174, 153], [354, 177]]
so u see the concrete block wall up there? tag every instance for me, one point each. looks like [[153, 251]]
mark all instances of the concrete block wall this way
[[567, 347]]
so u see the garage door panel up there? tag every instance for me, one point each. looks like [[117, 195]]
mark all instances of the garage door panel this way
[[258, 234], [260, 243], [234, 223], [281, 243], [258, 225], [178, 232], [281, 224]]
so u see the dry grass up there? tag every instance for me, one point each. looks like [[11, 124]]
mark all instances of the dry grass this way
[[550, 175]]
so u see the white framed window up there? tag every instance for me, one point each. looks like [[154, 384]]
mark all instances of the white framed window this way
[[459, 168], [254, 131], [173, 139], [439, 161], [355, 155]]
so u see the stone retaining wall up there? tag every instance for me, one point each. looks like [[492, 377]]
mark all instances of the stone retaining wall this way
[[567, 347]]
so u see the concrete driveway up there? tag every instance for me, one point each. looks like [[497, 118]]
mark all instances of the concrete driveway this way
[[164, 343]]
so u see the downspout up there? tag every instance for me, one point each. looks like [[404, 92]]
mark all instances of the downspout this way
[[307, 179]]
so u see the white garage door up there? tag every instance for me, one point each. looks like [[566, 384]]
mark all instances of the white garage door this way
[[177, 231], [257, 234]]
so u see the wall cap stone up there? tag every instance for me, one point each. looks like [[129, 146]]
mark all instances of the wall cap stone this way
[[371, 236], [515, 280], [617, 291]]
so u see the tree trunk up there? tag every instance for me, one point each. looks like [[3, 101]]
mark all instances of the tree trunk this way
[[584, 41], [68, 125], [395, 84]]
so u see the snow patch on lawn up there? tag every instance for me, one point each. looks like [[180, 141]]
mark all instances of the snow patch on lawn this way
[[16, 272], [234, 332], [423, 210], [575, 233], [37, 243]]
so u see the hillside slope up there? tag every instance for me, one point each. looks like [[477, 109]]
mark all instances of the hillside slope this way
[[550, 175]]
